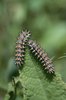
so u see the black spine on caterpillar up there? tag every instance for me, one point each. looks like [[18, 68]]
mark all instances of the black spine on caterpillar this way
[[42, 56], [20, 47]]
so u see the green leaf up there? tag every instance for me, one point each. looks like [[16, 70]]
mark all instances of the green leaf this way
[[35, 84]]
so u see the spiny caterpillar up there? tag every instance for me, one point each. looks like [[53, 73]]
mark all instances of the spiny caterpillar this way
[[20, 47], [42, 56]]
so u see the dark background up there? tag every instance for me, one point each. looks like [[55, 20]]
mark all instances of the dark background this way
[[46, 19]]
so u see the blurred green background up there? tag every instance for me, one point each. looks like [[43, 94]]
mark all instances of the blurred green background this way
[[46, 19]]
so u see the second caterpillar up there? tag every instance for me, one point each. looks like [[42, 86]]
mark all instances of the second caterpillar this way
[[42, 56]]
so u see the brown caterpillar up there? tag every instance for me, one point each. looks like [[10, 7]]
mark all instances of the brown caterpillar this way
[[20, 47], [42, 56]]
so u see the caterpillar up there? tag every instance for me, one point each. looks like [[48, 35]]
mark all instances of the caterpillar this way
[[20, 47], [42, 56]]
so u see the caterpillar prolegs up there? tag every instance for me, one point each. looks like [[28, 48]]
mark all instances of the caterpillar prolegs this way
[[20, 47], [42, 56]]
